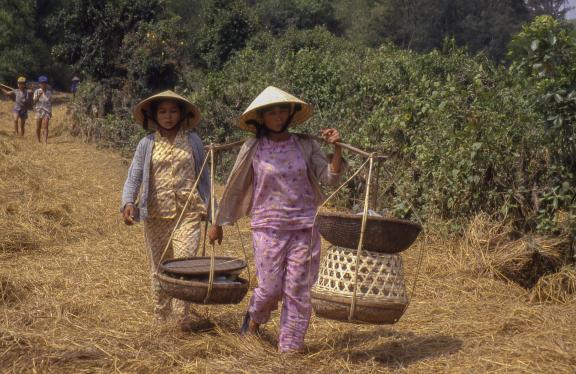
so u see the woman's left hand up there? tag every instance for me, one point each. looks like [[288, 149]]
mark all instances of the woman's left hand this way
[[330, 135]]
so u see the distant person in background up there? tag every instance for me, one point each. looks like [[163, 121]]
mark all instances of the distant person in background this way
[[74, 85], [43, 108], [21, 98]]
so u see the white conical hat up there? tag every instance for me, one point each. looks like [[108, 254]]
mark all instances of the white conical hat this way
[[274, 96], [142, 110]]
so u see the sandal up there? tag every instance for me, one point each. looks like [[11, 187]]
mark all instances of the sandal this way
[[245, 324], [245, 327]]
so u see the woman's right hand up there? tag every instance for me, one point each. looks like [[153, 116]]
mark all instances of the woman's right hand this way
[[128, 214], [215, 233]]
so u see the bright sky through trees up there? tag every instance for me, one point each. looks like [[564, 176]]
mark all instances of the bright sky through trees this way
[[572, 14]]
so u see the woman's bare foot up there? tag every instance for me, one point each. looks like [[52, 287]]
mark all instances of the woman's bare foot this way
[[253, 327]]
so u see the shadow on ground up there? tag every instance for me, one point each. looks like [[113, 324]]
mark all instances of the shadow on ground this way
[[394, 349]]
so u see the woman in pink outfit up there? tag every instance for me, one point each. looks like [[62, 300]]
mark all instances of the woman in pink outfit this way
[[275, 181]]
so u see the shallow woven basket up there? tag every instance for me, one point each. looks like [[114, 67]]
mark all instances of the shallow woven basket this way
[[201, 265], [385, 235], [195, 291], [381, 296]]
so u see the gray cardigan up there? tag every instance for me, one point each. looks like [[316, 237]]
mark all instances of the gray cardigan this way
[[138, 180]]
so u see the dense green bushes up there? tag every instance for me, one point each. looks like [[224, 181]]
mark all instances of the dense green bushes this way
[[461, 133], [451, 124], [102, 115]]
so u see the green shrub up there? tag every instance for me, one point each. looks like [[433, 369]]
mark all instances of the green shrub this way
[[459, 132]]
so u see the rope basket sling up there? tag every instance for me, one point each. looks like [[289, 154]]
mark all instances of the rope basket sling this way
[[361, 277], [195, 290]]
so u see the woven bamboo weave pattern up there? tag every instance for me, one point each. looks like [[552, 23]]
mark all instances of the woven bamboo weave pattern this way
[[380, 276], [383, 234], [196, 291]]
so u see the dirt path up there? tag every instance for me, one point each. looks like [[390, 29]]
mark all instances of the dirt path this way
[[74, 292]]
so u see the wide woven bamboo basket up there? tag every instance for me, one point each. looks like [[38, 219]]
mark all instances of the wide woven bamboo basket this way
[[381, 296], [196, 291], [383, 234], [201, 266]]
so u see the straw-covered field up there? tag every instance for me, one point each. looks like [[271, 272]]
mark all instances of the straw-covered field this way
[[74, 289]]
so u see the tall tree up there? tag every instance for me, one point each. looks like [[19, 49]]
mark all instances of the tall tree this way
[[277, 16], [424, 24], [24, 42], [90, 33], [227, 26]]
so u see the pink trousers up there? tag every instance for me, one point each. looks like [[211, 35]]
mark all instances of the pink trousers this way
[[285, 272]]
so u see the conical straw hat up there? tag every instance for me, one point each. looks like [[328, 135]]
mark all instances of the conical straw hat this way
[[269, 97], [142, 109]]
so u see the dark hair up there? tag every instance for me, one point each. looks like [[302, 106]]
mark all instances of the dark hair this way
[[261, 130]]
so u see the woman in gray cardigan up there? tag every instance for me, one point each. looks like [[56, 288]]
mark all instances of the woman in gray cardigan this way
[[163, 172]]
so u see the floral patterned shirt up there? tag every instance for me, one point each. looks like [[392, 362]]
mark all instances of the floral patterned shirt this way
[[283, 195]]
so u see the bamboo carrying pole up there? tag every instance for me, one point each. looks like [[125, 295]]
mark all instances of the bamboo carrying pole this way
[[361, 241], [375, 204], [5, 87], [223, 147], [352, 149]]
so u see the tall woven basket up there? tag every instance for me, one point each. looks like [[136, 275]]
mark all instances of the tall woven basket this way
[[381, 296]]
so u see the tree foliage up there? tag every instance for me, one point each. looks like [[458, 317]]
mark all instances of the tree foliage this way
[[24, 41], [277, 16], [481, 25], [462, 131], [544, 58], [90, 33], [227, 25], [554, 8]]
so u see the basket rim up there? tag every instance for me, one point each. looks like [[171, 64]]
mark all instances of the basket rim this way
[[358, 217], [242, 264], [360, 301], [190, 283]]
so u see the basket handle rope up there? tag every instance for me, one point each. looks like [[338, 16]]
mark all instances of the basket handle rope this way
[[420, 260], [204, 241], [370, 161], [213, 150], [361, 241], [318, 211], [213, 214]]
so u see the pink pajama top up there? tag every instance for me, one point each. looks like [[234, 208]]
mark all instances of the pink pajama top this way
[[283, 195]]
